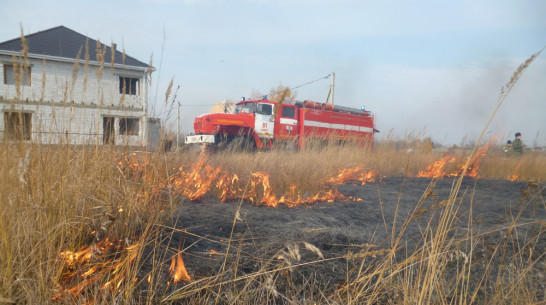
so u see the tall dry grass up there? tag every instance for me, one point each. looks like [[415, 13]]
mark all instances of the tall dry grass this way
[[57, 199], [388, 158], [63, 198]]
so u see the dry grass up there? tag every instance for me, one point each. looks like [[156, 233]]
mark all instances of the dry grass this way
[[315, 165], [63, 198], [55, 199]]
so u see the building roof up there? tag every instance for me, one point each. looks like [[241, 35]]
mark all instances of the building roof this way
[[65, 43]]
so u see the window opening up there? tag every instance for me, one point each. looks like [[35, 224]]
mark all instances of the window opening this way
[[265, 109], [108, 135], [245, 108], [18, 125], [11, 78], [128, 85], [289, 112], [129, 126]]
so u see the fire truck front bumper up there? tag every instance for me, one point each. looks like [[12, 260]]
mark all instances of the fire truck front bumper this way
[[200, 138]]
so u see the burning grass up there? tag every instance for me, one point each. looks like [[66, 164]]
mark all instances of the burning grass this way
[[81, 224]]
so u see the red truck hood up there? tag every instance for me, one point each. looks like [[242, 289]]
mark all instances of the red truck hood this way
[[208, 123]]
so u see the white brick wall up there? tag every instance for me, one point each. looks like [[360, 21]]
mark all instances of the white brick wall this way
[[68, 103], [74, 125]]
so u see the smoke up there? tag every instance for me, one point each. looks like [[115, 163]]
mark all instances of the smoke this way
[[453, 105]]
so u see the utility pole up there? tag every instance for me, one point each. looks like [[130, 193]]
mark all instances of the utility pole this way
[[331, 90], [333, 85]]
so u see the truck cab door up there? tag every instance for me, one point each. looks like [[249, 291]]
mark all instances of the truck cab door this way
[[264, 125], [287, 127]]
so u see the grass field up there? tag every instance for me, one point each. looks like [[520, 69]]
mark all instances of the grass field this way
[[75, 221]]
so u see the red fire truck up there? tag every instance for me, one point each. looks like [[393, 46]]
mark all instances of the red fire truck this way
[[264, 123]]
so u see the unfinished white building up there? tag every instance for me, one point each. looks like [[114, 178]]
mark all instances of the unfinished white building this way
[[58, 86]]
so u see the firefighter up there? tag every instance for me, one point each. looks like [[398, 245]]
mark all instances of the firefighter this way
[[508, 147], [517, 145]]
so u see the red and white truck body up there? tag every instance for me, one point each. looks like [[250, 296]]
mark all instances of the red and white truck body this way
[[265, 123]]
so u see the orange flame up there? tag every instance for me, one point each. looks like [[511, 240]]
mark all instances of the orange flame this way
[[227, 184], [260, 192], [436, 169], [513, 177], [353, 174], [475, 162], [196, 183], [202, 179], [178, 269], [89, 266]]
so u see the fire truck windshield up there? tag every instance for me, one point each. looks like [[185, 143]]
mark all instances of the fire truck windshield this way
[[245, 108]]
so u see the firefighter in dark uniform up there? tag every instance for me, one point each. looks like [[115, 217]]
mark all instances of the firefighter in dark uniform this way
[[517, 145]]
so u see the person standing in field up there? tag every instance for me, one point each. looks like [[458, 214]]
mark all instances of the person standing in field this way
[[517, 145], [508, 148]]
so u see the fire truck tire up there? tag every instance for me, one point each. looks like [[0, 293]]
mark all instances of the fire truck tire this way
[[235, 143]]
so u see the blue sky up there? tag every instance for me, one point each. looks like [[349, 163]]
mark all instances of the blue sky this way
[[432, 68]]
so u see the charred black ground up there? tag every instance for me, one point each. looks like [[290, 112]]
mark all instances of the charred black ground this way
[[339, 228]]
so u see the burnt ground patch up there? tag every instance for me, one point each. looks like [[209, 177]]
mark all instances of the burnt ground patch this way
[[338, 228]]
